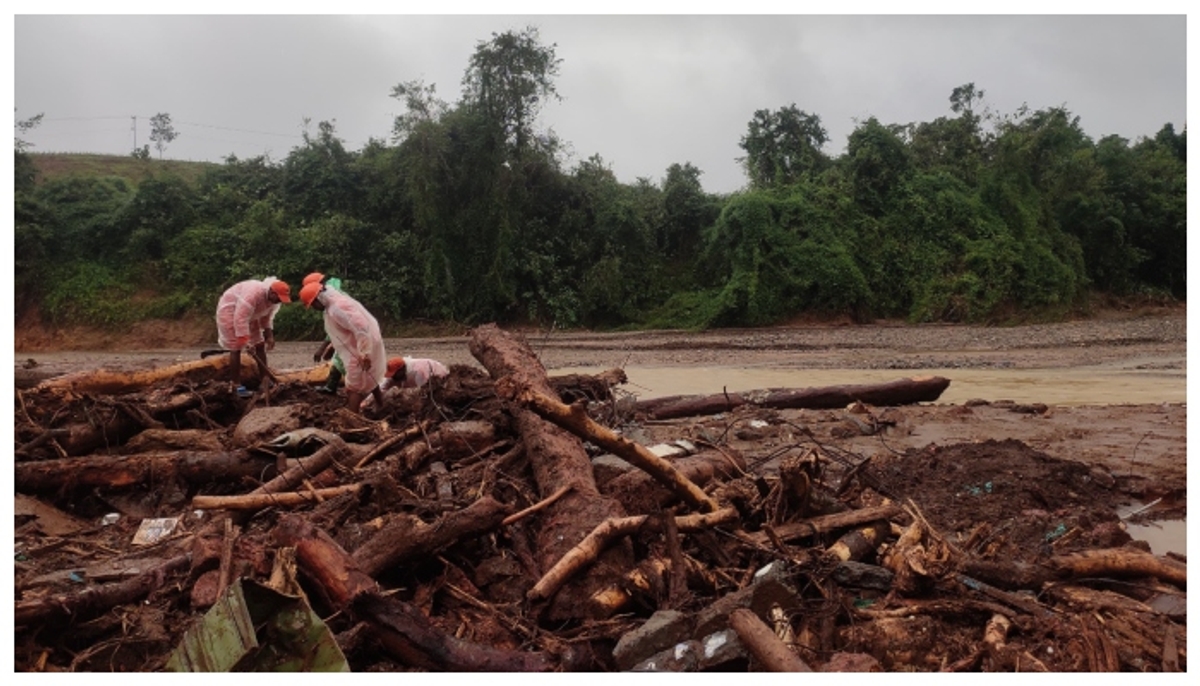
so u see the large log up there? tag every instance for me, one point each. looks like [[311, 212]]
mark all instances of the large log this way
[[145, 468], [108, 382], [693, 406], [405, 537], [642, 494], [898, 392], [403, 630], [763, 644], [792, 531], [575, 419], [1120, 562], [335, 451], [558, 461], [94, 600], [400, 628], [450, 441], [603, 536]]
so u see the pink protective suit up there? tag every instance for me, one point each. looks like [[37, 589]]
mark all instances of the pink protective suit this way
[[355, 336], [243, 312]]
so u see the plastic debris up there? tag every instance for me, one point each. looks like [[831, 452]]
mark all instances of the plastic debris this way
[[154, 530]]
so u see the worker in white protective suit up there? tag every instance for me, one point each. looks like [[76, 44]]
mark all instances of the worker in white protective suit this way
[[412, 372], [246, 318], [354, 334]]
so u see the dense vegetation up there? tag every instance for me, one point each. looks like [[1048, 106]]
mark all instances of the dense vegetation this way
[[468, 215]]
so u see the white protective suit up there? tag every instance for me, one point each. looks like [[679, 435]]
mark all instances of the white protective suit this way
[[355, 336], [417, 372], [243, 313]]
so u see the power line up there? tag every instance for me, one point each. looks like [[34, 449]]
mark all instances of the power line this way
[[239, 130], [184, 123]]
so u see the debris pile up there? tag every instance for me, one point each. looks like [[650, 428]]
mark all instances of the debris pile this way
[[505, 520]]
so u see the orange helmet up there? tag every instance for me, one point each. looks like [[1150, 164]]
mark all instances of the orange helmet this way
[[282, 290], [396, 364], [315, 277], [309, 292]]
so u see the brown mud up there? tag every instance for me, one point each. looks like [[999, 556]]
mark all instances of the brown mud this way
[[1013, 482]]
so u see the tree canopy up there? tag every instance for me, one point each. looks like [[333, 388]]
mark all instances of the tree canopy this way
[[472, 212]]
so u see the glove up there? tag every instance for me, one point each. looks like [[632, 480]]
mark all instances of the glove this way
[[329, 353], [240, 342]]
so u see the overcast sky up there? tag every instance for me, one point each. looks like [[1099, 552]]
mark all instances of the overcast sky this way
[[643, 92]]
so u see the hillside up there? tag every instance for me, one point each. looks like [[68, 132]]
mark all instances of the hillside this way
[[57, 165]]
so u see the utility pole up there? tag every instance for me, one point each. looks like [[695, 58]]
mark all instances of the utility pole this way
[[134, 118]]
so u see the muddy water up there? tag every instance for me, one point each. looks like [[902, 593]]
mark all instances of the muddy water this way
[[1164, 537], [1100, 385]]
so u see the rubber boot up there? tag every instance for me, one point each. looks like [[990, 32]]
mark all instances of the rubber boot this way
[[332, 383]]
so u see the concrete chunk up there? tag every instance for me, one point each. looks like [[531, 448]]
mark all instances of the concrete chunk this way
[[664, 629], [682, 657], [772, 585]]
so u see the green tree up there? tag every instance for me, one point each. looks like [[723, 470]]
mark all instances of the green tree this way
[[783, 147], [878, 163], [687, 211], [959, 144], [508, 80], [320, 177], [162, 132], [24, 126]]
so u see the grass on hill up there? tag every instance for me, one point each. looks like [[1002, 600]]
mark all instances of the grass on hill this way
[[57, 165]]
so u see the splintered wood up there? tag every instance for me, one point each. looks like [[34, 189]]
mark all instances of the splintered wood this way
[[500, 519]]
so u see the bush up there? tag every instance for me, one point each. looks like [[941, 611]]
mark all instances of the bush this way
[[88, 293]]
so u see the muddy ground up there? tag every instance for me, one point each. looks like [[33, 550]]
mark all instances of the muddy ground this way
[[1007, 481], [1145, 440]]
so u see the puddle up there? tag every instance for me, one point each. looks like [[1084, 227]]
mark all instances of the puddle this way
[[1163, 537]]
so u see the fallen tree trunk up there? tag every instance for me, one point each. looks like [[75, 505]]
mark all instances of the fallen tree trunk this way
[[763, 644], [106, 382], [111, 429], [590, 548], [575, 419], [558, 461], [450, 441], [642, 494], [259, 501], [92, 601], [335, 451], [401, 629], [899, 392], [693, 406], [406, 537], [1119, 562], [145, 468], [572, 387], [1122, 562], [792, 531]]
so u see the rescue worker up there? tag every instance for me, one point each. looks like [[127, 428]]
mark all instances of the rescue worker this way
[[354, 334], [412, 372], [337, 368], [246, 318]]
